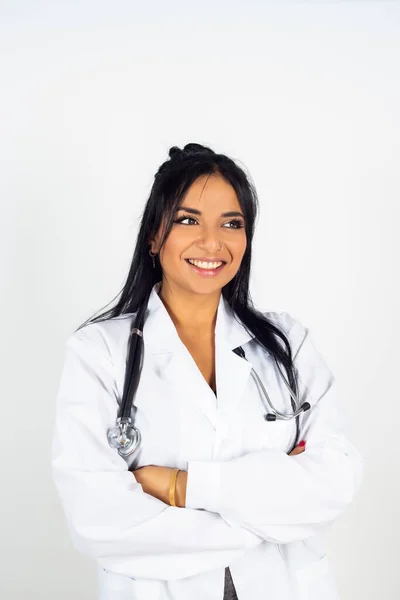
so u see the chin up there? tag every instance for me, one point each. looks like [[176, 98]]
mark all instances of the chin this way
[[203, 288]]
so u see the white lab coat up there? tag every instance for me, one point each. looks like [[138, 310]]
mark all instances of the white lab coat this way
[[249, 505]]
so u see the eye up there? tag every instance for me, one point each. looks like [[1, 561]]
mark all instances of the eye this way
[[181, 219], [238, 223]]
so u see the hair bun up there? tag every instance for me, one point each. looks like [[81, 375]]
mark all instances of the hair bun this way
[[175, 152], [193, 148], [190, 149]]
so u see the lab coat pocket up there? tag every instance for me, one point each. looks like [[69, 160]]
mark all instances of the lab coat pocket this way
[[113, 586], [277, 434], [315, 581]]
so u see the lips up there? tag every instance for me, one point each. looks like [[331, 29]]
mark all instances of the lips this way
[[206, 259], [206, 272]]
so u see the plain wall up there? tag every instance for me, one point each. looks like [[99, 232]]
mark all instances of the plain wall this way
[[305, 95]]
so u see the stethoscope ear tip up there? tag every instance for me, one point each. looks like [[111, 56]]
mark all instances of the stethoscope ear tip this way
[[270, 417]]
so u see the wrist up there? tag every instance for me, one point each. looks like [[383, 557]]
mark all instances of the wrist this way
[[180, 489]]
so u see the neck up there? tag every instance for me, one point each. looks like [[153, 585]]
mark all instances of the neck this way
[[190, 311]]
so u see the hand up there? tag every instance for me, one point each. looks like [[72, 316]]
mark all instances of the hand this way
[[154, 481], [298, 449]]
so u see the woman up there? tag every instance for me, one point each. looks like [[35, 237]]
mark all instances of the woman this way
[[219, 503]]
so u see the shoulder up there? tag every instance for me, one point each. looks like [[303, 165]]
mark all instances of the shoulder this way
[[285, 321], [294, 329], [106, 336], [282, 319], [306, 355]]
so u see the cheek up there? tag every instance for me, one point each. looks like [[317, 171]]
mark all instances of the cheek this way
[[238, 248], [173, 250]]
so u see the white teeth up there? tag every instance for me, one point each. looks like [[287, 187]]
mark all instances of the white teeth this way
[[205, 265]]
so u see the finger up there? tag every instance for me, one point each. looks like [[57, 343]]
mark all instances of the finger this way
[[298, 449]]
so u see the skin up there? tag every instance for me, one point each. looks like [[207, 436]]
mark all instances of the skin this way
[[191, 300]]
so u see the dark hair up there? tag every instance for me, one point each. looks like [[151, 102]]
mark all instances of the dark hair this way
[[171, 182]]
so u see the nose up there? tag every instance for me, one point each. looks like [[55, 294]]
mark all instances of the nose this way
[[210, 241]]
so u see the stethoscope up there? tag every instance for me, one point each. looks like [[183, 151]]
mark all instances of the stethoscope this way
[[127, 438]]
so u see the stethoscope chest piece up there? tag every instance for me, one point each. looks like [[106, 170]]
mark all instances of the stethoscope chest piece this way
[[124, 436]]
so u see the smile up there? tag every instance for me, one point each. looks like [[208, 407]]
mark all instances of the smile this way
[[207, 269]]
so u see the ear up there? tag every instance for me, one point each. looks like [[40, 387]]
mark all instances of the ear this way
[[153, 245], [154, 242]]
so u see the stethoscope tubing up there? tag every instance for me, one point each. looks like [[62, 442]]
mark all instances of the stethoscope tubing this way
[[129, 436]]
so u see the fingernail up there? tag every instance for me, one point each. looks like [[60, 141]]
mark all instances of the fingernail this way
[[302, 443]]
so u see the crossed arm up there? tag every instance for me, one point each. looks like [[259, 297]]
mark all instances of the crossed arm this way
[[123, 519], [156, 480]]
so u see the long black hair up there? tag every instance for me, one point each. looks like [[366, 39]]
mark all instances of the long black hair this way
[[171, 182]]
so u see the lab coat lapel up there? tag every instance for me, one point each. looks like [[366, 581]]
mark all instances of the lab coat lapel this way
[[179, 368]]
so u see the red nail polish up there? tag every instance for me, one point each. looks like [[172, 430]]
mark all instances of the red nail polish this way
[[302, 443]]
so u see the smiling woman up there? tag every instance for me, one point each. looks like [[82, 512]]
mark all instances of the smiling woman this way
[[209, 266], [174, 475], [209, 235]]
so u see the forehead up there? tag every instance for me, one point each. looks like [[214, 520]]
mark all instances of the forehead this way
[[210, 191]]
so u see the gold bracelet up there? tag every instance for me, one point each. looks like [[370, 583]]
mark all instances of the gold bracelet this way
[[174, 475]]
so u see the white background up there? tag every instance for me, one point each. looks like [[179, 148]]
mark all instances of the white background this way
[[305, 95]]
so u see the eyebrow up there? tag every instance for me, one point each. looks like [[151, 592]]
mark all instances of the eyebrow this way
[[195, 211]]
